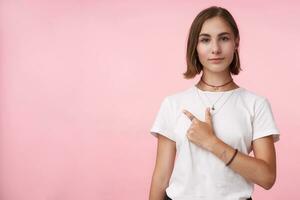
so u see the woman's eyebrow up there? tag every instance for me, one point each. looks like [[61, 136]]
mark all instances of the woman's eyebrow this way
[[220, 34]]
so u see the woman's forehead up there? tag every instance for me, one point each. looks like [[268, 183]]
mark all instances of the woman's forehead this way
[[215, 26]]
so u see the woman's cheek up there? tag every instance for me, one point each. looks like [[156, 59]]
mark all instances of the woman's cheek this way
[[229, 49], [202, 53]]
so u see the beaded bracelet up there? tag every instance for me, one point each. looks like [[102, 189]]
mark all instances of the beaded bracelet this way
[[232, 157]]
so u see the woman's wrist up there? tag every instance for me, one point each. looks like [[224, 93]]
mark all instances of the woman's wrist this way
[[213, 142]]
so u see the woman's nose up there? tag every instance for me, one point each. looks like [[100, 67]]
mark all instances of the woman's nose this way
[[215, 48]]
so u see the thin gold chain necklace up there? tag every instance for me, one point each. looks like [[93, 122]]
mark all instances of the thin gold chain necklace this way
[[214, 110]]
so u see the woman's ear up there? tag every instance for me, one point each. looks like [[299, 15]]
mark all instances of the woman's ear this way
[[237, 42]]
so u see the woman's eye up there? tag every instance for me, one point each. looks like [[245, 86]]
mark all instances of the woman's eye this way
[[204, 40], [225, 38]]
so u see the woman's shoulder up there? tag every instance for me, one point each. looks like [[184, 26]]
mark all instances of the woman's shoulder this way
[[253, 99], [252, 95], [181, 95]]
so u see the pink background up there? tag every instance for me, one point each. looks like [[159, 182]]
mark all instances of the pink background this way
[[81, 83]]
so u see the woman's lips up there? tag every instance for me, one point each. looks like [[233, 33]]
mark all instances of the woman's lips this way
[[216, 60]]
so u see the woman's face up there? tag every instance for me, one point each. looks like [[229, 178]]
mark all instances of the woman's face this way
[[216, 40]]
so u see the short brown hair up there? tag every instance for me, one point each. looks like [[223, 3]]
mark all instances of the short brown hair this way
[[194, 66]]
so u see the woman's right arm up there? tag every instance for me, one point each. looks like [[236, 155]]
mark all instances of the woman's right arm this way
[[165, 157]]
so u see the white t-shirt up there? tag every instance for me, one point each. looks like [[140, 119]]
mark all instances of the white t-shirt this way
[[240, 117]]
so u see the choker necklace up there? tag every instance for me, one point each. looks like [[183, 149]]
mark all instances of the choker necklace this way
[[216, 87]]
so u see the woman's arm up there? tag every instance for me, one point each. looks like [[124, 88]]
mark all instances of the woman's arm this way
[[260, 169], [166, 153]]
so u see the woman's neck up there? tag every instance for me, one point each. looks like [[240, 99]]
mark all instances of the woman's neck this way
[[216, 79]]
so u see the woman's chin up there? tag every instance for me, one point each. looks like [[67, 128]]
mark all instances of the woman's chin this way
[[217, 68]]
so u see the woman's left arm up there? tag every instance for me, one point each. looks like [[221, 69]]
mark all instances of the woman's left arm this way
[[260, 169]]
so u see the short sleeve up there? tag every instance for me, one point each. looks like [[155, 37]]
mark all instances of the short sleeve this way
[[263, 122], [163, 121]]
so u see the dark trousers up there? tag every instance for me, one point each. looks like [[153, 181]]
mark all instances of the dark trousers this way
[[168, 198]]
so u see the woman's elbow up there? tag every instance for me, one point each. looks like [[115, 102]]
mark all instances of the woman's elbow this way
[[269, 182]]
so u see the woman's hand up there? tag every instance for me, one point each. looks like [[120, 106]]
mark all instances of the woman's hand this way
[[201, 133]]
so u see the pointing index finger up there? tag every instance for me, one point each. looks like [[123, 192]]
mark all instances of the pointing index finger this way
[[189, 115]]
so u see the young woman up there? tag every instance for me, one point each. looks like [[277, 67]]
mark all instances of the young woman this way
[[211, 127]]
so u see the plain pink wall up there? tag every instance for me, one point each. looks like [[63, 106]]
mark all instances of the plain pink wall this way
[[81, 83]]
